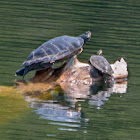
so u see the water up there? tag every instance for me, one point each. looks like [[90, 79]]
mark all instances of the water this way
[[115, 28]]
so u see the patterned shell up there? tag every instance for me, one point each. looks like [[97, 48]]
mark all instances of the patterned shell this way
[[100, 63], [58, 48]]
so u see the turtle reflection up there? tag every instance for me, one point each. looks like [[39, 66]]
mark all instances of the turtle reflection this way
[[66, 109]]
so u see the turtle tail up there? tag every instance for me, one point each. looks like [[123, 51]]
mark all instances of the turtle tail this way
[[20, 72]]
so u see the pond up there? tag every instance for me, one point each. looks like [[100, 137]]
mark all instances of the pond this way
[[111, 114]]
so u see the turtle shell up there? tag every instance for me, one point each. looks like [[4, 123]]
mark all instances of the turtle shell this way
[[100, 63], [56, 49]]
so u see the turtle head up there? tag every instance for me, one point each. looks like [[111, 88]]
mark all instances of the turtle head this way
[[100, 52], [86, 36]]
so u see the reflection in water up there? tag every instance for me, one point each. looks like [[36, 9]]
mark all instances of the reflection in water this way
[[101, 96], [67, 112], [59, 114]]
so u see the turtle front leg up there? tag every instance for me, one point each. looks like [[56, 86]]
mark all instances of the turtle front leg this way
[[96, 77], [93, 72]]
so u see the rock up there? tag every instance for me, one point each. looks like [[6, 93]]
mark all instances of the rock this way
[[120, 69], [74, 74]]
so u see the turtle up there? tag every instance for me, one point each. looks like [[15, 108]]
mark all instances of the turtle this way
[[100, 66], [55, 50]]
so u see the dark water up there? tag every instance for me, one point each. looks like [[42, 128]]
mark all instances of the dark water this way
[[24, 25]]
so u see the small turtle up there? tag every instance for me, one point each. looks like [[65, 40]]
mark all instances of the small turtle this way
[[54, 50], [100, 66]]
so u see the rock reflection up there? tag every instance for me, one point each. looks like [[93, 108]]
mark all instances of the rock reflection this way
[[97, 99], [65, 110]]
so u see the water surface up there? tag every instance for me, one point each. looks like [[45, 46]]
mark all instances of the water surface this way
[[115, 28]]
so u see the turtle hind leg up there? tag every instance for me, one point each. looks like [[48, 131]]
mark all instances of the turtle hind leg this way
[[108, 80], [20, 72], [25, 72]]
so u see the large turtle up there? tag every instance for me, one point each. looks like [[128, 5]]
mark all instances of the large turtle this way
[[54, 50], [100, 66]]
